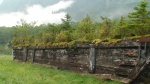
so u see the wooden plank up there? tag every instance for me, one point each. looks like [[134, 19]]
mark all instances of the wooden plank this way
[[144, 39], [137, 71], [122, 71], [119, 47], [25, 54]]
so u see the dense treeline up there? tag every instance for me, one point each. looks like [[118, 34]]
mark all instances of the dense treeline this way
[[87, 30], [6, 35]]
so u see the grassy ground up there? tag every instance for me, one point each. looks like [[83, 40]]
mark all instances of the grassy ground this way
[[24, 73]]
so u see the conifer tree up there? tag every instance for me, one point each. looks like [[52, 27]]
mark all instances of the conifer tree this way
[[85, 30], [140, 19]]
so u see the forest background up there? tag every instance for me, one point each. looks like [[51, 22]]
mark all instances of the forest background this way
[[69, 32]]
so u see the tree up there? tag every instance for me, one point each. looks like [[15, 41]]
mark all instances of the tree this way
[[66, 26], [61, 37], [22, 34], [5, 35], [106, 28], [97, 29], [122, 28], [66, 22], [85, 30], [140, 19]]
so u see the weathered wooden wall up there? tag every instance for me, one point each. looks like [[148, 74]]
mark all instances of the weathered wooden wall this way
[[116, 58], [128, 58]]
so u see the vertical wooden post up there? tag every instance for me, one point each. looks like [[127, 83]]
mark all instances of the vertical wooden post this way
[[13, 54], [43, 54], [54, 55], [25, 54], [33, 57], [139, 56], [92, 59], [145, 49]]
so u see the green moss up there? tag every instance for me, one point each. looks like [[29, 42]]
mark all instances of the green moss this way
[[133, 37], [72, 44], [60, 44], [80, 41], [147, 35], [96, 41], [49, 44], [110, 41]]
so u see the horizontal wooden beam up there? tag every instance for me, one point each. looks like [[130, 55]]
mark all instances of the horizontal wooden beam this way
[[144, 39]]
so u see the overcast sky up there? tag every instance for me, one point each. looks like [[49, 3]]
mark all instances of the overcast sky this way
[[41, 13], [51, 11]]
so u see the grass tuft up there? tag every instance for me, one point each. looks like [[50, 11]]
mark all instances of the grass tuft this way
[[26, 73]]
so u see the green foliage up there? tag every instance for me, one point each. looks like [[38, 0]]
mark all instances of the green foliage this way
[[97, 29], [6, 35], [106, 28], [140, 19], [5, 49], [61, 37], [86, 31], [22, 34], [66, 22], [122, 29]]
